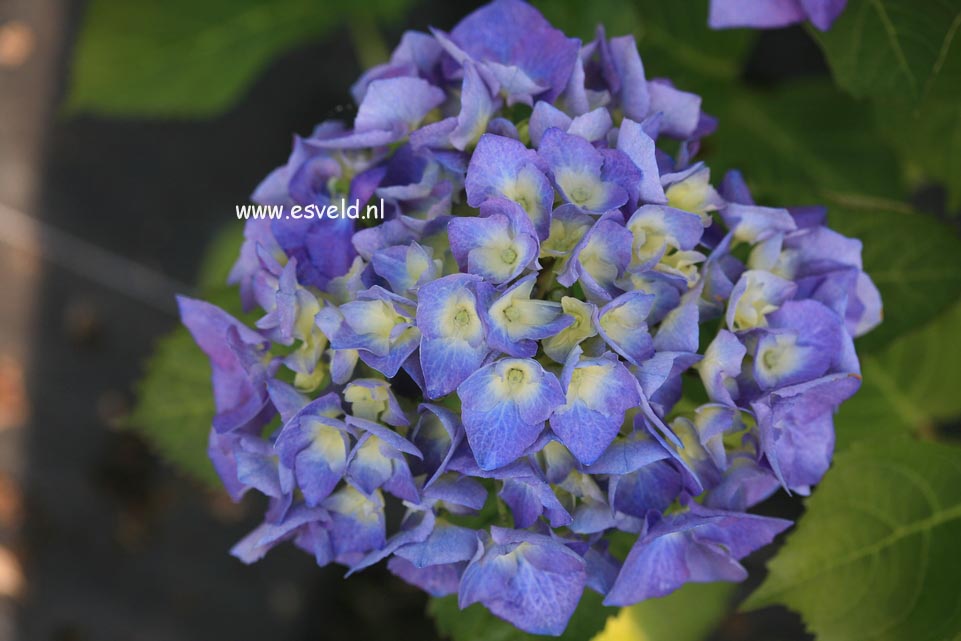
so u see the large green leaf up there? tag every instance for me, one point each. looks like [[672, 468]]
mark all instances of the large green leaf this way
[[893, 47], [189, 58], [907, 55], [909, 387], [475, 623], [875, 557], [800, 143]]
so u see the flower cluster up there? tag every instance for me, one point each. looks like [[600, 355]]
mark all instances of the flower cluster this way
[[562, 337]]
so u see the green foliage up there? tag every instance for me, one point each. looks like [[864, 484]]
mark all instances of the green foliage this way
[[175, 406], [914, 260], [907, 55], [188, 58], [801, 143], [928, 140], [893, 47], [875, 556], [475, 623], [689, 614], [909, 386]]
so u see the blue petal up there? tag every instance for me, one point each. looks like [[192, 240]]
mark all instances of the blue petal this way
[[795, 424], [255, 545], [477, 106], [498, 246], [504, 167], [628, 454], [505, 406], [396, 103], [529, 498], [514, 33], [575, 167], [680, 110], [753, 224], [446, 544], [405, 268], [640, 148], [756, 294], [697, 546], [651, 487], [621, 324], [600, 391], [632, 93], [721, 366], [435, 580], [357, 524], [804, 340], [453, 344], [535, 586], [600, 258], [515, 321], [544, 117]]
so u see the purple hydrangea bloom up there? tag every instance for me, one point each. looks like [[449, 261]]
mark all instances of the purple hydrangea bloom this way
[[510, 348]]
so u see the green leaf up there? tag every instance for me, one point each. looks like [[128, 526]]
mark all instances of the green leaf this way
[[182, 58], [875, 557], [689, 614], [928, 140], [907, 55], [476, 623], [914, 259], [893, 47], [800, 143], [909, 387]]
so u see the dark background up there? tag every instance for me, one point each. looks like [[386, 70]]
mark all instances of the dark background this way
[[107, 542]]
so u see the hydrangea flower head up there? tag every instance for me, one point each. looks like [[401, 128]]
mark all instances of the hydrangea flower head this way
[[518, 332]]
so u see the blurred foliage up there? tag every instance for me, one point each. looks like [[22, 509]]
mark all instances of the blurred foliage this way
[[906, 54], [892, 47], [928, 139], [872, 556], [194, 58], [909, 386], [690, 614], [175, 407], [875, 556]]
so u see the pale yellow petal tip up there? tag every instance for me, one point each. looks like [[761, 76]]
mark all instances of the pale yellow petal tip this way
[[623, 627]]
